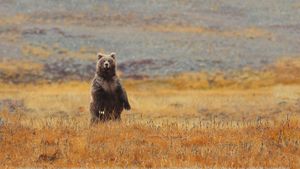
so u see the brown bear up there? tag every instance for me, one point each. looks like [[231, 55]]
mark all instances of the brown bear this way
[[108, 96]]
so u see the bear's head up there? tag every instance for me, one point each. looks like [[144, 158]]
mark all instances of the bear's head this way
[[106, 65]]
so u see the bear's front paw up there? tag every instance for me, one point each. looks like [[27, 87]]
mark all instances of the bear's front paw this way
[[127, 106]]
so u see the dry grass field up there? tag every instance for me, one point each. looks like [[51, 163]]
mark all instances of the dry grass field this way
[[212, 84], [242, 119]]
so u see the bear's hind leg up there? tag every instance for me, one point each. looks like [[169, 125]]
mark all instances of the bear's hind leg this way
[[117, 114], [94, 113]]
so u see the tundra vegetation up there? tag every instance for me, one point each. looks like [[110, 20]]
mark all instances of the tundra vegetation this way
[[210, 83], [244, 119]]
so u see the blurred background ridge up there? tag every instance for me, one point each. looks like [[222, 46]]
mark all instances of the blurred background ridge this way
[[55, 40]]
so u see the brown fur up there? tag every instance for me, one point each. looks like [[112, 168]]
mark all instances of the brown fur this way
[[109, 98]]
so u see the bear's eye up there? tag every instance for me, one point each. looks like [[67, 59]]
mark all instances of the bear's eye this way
[[112, 62]]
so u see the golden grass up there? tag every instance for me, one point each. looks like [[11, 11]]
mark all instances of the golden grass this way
[[83, 53], [245, 119], [43, 51], [285, 71], [13, 67], [214, 127], [17, 19], [132, 144], [36, 50], [249, 33]]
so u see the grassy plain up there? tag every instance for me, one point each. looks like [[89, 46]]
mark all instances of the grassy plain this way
[[242, 119]]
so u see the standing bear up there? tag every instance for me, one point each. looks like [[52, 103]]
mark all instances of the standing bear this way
[[108, 96]]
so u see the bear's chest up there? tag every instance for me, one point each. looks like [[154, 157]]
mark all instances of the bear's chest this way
[[109, 87]]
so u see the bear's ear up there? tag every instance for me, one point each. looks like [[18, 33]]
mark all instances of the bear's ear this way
[[99, 55], [113, 55]]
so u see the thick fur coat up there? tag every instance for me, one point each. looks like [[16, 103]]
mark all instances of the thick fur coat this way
[[108, 97]]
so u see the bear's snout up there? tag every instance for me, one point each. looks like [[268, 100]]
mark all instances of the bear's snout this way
[[106, 64]]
